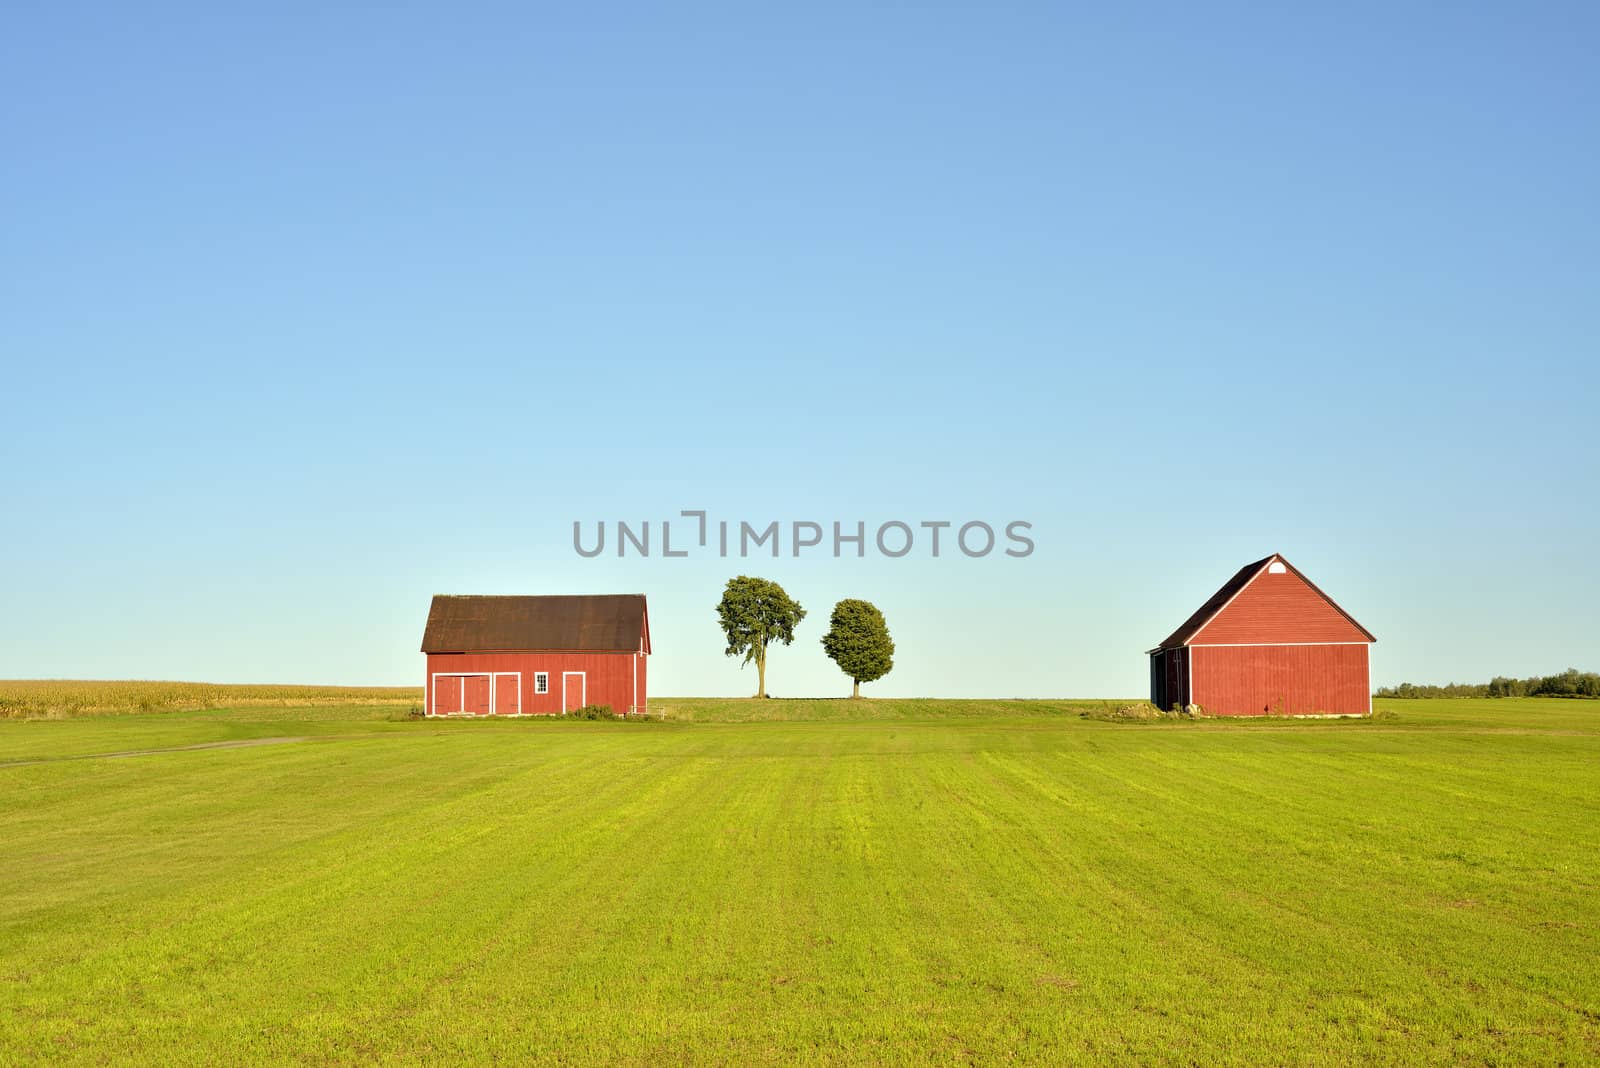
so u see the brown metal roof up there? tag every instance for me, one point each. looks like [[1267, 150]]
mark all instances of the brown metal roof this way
[[599, 623], [1230, 589]]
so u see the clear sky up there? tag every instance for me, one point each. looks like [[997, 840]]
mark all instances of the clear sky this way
[[308, 312]]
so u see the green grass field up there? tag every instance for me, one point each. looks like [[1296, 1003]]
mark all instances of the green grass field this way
[[891, 882]]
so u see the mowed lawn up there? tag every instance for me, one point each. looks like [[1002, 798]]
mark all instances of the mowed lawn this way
[[930, 884]]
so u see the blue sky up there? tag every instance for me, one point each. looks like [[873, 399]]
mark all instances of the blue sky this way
[[309, 314]]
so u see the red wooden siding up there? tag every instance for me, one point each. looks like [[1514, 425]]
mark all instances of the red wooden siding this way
[[1294, 680], [1278, 609], [609, 679]]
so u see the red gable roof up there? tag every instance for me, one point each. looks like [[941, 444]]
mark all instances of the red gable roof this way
[[1247, 612]]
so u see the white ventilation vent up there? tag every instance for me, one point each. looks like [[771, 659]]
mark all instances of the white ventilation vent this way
[[1276, 568]]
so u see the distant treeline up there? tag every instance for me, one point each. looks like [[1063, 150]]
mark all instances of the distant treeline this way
[[1570, 683]]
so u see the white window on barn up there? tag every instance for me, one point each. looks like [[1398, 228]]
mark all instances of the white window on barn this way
[[541, 682], [1277, 568]]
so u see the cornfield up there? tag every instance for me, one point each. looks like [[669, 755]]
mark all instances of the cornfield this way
[[63, 698]]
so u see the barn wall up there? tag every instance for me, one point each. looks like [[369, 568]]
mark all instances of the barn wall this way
[[1295, 680], [1171, 683], [1281, 609], [609, 676]]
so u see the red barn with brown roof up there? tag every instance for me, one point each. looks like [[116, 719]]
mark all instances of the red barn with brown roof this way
[[1267, 643], [535, 656]]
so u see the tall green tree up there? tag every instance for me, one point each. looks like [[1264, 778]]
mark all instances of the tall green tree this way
[[858, 641], [754, 613]]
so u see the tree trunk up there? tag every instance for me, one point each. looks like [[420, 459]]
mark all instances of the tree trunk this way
[[856, 690], [761, 673]]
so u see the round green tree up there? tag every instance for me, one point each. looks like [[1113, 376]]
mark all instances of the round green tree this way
[[858, 641], [754, 613]]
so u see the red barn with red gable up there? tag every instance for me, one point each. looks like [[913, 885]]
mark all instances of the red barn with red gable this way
[[536, 656], [1267, 643]]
